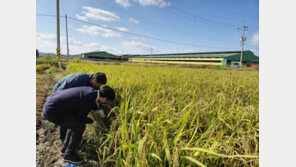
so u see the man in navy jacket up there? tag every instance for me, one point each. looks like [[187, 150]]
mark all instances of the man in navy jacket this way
[[69, 108], [79, 79]]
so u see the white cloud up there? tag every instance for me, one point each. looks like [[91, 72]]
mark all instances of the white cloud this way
[[181, 51], [122, 29], [98, 31], [71, 41], [45, 36], [124, 3], [99, 14], [137, 47], [82, 18], [159, 3], [46, 42], [133, 47], [255, 39], [133, 20]]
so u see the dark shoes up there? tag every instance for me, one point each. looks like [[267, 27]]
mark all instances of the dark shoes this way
[[73, 158], [63, 151]]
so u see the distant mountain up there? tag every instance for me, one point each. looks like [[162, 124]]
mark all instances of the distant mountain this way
[[50, 54]]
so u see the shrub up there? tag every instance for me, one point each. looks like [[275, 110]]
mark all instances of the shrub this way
[[52, 69], [42, 67], [48, 60]]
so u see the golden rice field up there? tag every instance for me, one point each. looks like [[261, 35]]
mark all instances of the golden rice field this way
[[178, 116]]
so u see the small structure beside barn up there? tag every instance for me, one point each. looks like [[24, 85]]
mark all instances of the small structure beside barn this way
[[102, 55]]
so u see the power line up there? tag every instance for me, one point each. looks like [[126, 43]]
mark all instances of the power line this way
[[130, 33], [157, 23], [191, 18], [204, 18], [216, 22], [146, 36]]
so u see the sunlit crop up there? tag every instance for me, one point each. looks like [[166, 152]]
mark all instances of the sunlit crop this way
[[178, 116]]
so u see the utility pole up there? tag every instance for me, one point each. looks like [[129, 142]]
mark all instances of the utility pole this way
[[243, 39], [67, 36], [151, 55], [58, 33]]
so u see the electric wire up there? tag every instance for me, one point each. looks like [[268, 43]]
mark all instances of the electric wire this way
[[191, 15], [134, 34], [168, 27]]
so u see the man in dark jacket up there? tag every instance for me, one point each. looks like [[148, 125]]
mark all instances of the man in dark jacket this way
[[79, 79], [69, 108]]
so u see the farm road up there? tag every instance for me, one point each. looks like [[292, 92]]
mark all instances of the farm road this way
[[48, 144]]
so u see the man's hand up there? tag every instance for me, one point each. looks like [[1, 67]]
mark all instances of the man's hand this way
[[94, 123], [100, 113]]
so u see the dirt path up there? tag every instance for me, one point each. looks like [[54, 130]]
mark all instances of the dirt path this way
[[48, 144]]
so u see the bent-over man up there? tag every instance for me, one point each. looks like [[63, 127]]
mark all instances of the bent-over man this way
[[79, 79], [69, 108]]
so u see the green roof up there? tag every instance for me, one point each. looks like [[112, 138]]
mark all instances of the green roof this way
[[248, 56], [100, 54]]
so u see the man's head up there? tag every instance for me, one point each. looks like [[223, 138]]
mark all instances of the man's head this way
[[98, 79], [106, 94]]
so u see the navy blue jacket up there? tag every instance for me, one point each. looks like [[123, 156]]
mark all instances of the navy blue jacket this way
[[73, 80], [73, 102]]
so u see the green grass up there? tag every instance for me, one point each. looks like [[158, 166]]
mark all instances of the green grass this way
[[178, 116]]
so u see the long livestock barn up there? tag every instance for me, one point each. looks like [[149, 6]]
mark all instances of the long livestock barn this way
[[202, 58]]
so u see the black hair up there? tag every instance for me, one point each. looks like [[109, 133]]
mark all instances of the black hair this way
[[107, 92], [100, 77]]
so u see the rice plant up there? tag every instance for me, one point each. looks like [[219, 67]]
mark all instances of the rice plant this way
[[178, 116]]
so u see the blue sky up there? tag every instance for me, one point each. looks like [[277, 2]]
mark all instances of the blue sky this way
[[185, 25]]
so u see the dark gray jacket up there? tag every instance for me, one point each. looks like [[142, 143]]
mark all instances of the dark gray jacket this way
[[73, 102]]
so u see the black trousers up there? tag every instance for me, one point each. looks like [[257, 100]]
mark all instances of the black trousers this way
[[63, 132], [74, 131], [71, 131]]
